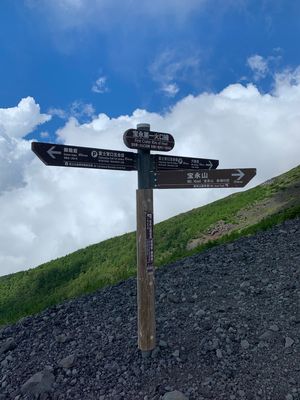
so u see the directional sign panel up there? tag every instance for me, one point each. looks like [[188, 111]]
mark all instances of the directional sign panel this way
[[84, 157], [148, 140], [177, 162], [214, 178]]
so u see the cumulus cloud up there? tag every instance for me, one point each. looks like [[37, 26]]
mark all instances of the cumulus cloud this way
[[58, 210], [20, 120], [16, 123]]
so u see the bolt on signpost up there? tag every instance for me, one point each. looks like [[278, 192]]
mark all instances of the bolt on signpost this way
[[154, 172]]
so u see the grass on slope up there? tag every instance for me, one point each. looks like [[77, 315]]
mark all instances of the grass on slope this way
[[113, 260]]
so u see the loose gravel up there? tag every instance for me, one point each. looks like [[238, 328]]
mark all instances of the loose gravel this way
[[228, 327]]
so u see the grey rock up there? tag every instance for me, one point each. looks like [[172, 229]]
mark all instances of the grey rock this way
[[288, 342], [174, 395], [296, 318], [200, 313], [163, 344], [155, 352], [173, 298], [8, 345], [266, 336], [206, 325], [274, 328], [67, 362], [9, 358], [99, 355], [176, 353], [245, 344], [61, 338], [4, 363], [146, 354], [219, 353], [39, 383]]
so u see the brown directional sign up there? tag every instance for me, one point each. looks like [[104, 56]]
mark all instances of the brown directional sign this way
[[214, 178], [162, 162], [148, 140], [84, 157]]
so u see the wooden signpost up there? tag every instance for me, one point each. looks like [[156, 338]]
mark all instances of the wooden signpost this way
[[154, 172]]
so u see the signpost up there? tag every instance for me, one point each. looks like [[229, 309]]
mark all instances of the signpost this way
[[154, 172], [143, 138]]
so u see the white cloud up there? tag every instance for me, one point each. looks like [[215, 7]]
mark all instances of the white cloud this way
[[170, 89], [57, 210], [264, 66], [100, 85], [77, 109], [20, 120], [58, 112], [259, 66], [174, 66], [288, 77], [44, 134], [15, 123]]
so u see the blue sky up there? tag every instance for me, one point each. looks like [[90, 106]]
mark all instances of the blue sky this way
[[147, 56], [222, 76]]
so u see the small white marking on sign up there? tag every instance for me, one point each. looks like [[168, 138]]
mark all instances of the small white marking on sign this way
[[52, 153], [240, 174]]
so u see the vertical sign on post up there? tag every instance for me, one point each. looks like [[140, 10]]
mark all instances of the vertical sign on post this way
[[144, 238], [149, 244]]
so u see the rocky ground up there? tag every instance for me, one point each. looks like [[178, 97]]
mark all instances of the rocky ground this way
[[228, 327]]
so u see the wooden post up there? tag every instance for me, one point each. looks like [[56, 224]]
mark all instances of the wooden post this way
[[145, 271]]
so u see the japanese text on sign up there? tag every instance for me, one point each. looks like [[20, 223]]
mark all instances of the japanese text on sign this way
[[149, 242]]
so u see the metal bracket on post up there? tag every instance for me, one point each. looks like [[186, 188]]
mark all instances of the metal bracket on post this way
[[145, 251]]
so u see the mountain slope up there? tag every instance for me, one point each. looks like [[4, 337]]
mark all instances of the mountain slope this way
[[228, 327], [114, 260]]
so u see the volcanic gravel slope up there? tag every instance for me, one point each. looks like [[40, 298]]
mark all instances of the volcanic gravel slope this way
[[228, 327]]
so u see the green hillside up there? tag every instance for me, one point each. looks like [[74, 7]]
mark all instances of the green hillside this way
[[108, 262]]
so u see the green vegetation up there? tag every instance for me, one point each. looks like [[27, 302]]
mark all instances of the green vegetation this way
[[113, 260]]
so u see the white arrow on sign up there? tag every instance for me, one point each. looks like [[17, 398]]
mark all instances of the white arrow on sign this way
[[210, 164], [51, 152], [240, 174]]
